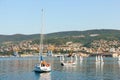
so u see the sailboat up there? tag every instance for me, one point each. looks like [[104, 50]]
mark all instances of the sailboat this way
[[15, 54], [42, 66], [68, 63], [99, 58], [49, 53], [81, 58]]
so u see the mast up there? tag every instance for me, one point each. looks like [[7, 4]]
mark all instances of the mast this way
[[41, 35]]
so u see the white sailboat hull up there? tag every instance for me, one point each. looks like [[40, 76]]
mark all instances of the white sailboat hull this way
[[68, 64], [41, 69]]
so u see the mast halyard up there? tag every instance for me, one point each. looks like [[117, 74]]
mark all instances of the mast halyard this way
[[41, 36]]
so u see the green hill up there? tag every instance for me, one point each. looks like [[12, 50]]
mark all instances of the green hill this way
[[57, 38], [17, 37], [84, 37]]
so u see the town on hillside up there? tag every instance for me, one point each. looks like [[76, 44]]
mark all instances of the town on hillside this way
[[28, 48]]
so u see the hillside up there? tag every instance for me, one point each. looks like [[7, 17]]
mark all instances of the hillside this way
[[17, 37], [84, 37]]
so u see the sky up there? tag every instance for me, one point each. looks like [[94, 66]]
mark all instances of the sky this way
[[25, 16]]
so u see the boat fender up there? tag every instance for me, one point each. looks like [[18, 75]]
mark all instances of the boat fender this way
[[47, 65]]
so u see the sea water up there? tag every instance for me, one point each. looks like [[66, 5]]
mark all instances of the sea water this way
[[19, 68]]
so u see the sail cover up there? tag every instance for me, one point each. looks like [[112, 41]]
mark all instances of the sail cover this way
[[41, 58]]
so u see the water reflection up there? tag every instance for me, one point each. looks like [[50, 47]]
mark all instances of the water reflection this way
[[43, 76], [69, 68], [81, 64], [99, 70], [119, 64], [88, 69]]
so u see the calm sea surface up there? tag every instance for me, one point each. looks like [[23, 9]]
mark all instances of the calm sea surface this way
[[22, 69]]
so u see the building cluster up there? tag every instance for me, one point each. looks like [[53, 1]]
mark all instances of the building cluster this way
[[18, 46], [97, 46]]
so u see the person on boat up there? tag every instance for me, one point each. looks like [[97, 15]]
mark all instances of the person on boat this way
[[43, 62]]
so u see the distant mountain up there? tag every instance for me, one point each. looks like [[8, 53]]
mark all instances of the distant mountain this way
[[102, 32], [18, 37], [62, 37], [84, 37]]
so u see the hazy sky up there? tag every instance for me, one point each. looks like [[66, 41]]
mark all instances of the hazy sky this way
[[24, 16]]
